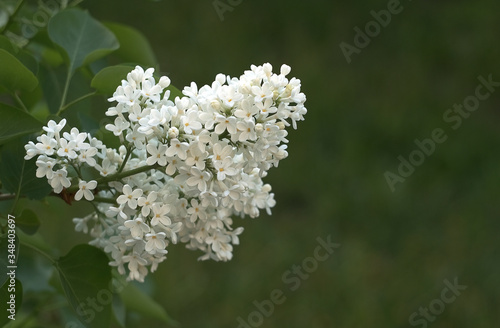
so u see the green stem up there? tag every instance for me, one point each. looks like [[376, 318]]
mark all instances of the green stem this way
[[119, 176], [77, 100], [129, 151], [65, 92], [105, 200], [19, 102]]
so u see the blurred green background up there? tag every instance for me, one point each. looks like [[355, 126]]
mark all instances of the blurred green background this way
[[397, 247]]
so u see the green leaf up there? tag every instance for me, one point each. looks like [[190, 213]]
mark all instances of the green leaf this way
[[174, 92], [18, 174], [9, 289], [82, 37], [14, 75], [119, 311], [108, 79], [28, 60], [16, 123], [134, 47], [86, 278], [7, 45], [28, 222], [136, 300]]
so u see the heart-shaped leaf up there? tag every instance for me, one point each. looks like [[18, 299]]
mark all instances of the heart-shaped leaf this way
[[18, 174], [16, 123], [86, 278], [109, 78], [134, 47], [28, 222], [82, 37], [136, 300], [14, 75]]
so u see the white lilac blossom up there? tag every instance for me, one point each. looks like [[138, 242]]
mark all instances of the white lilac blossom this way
[[185, 166]]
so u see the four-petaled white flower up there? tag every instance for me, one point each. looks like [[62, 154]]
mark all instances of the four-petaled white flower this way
[[146, 203], [59, 180], [45, 167], [225, 123], [129, 196], [224, 168], [157, 155], [87, 156], [85, 190], [67, 149], [46, 145], [156, 242], [190, 122], [118, 127], [160, 215], [198, 178], [177, 148], [137, 227], [196, 211], [55, 128]]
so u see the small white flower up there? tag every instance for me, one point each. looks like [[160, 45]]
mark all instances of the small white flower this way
[[77, 137], [135, 264], [31, 150], [136, 137], [81, 225], [46, 145], [156, 242], [59, 180], [160, 215], [177, 148], [247, 129], [196, 157], [157, 155], [190, 122], [221, 245], [129, 196], [224, 168], [118, 127], [85, 190], [225, 123], [87, 156], [107, 167], [126, 95], [137, 227], [263, 92], [45, 167], [67, 149], [172, 231], [147, 202], [247, 111], [198, 178], [55, 128], [196, 211]]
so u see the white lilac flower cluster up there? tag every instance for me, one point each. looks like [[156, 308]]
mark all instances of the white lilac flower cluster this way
[[185, 166]]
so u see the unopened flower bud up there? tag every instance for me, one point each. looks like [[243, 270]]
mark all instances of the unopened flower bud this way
[[173, 132]]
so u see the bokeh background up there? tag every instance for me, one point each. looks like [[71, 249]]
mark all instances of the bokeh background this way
[[397, 247]]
